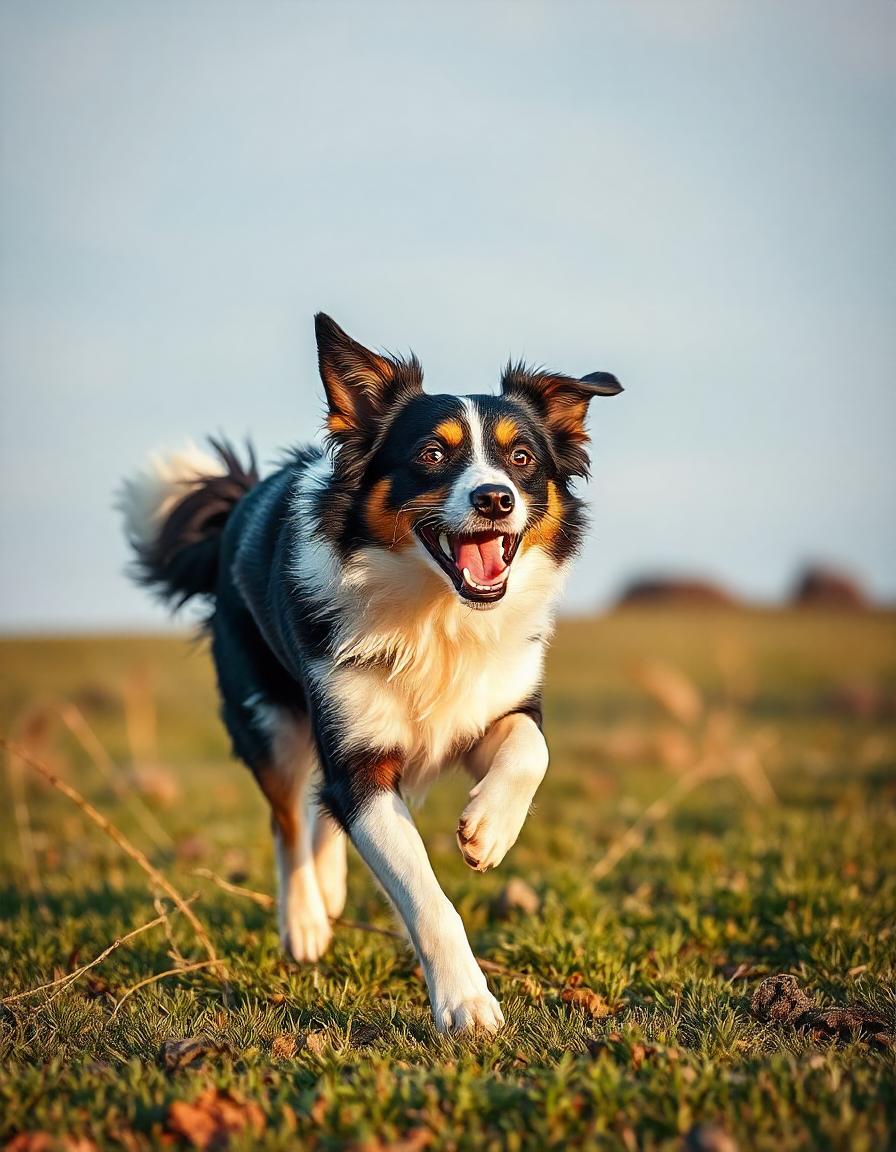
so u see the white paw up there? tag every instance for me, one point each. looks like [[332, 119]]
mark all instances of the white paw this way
[[305, 930], [333, 891], [480, 1012], [491, 823]]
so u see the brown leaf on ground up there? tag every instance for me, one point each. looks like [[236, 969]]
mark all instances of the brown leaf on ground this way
[[284, 1046], [317, 1042], [176, 1054], [587, 1001], [781, 1000], [364, 1034], [213, 1117]]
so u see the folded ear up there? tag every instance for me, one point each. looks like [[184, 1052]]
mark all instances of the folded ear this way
[[363, 389], [561, 402]]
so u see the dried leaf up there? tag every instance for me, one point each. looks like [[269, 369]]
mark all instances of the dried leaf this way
[[364, 1034], [781, 999], [213, 1117], [587, 1001], [317, 1042], [284, 1046], [177, 1054]]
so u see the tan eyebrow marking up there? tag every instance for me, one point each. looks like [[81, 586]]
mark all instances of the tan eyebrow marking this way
[[506, 431], [451, 431]]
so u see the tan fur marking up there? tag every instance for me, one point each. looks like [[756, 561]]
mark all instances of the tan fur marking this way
[[337, 423], [506, 431], [451, 431], [388, 527], [546, 531], [278, 786], [381, 771]]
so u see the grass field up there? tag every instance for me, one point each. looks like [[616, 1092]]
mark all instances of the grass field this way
[[774, 852]]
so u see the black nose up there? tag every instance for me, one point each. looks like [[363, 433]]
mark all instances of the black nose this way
[[492, 500]]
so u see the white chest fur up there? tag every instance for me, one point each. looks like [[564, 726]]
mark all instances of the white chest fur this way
[[417, 669]]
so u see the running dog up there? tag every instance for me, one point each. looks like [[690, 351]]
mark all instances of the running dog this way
[[379, 610]]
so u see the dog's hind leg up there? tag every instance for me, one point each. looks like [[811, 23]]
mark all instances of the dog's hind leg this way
[[330, 864], [286, 780]]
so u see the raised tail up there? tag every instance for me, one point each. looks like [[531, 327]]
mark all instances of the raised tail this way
[[174, 513]]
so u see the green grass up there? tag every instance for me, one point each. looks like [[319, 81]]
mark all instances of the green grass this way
[[723, 885]]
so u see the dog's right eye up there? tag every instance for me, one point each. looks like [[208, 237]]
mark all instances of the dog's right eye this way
[[432, 454]]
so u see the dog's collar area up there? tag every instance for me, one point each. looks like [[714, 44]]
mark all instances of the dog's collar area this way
[[478, 563]]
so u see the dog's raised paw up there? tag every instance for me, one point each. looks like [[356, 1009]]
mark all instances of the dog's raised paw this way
[[489, 828]]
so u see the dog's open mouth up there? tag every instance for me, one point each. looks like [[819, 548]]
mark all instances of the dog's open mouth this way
[[477, 562]]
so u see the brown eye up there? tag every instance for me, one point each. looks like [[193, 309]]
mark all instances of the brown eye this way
[[522, 457], [432, 454]]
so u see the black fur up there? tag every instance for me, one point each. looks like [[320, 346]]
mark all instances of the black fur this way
[[182, 561]]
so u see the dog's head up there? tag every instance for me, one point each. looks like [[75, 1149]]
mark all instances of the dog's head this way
[[462, 484]]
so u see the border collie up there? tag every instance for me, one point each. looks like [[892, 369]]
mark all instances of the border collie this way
[[380, 609]]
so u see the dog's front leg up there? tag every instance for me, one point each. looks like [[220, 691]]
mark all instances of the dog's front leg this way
[[384, 834], [509, 763], [363, 791]]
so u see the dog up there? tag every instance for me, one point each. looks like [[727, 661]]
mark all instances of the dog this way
[[379, 610]]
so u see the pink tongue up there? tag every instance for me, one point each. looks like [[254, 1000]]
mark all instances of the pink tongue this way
[[484, 558]]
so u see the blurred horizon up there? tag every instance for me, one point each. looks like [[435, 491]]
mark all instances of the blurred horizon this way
[[696, 197]]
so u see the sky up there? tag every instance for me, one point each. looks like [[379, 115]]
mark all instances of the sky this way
[[697, 195]]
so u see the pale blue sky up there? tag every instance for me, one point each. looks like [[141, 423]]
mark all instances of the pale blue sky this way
[[698, 196]]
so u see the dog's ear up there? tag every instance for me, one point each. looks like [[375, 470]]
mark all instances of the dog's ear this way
[[561, 403], [363, 389]]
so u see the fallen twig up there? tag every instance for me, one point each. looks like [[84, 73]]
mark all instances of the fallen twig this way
[[261, 898], [70, 977], [123, 843], [181, 968]]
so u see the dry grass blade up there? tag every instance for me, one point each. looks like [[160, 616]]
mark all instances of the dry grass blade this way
[[70, 977], [123, 843], [23, 823], [266, 901], [634, 836], [261, 898], [671, 689], [157, 976], [76, 722]]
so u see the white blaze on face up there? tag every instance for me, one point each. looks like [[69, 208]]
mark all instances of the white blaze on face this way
[[458, 508]]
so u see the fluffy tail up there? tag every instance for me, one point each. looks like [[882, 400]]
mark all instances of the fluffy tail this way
[[174, 514]]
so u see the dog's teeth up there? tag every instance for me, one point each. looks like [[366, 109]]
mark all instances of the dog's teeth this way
[[445, 546], [469, 579]]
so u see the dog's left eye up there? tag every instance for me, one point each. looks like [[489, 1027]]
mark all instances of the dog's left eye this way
[[522, 457], [431, 454]]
